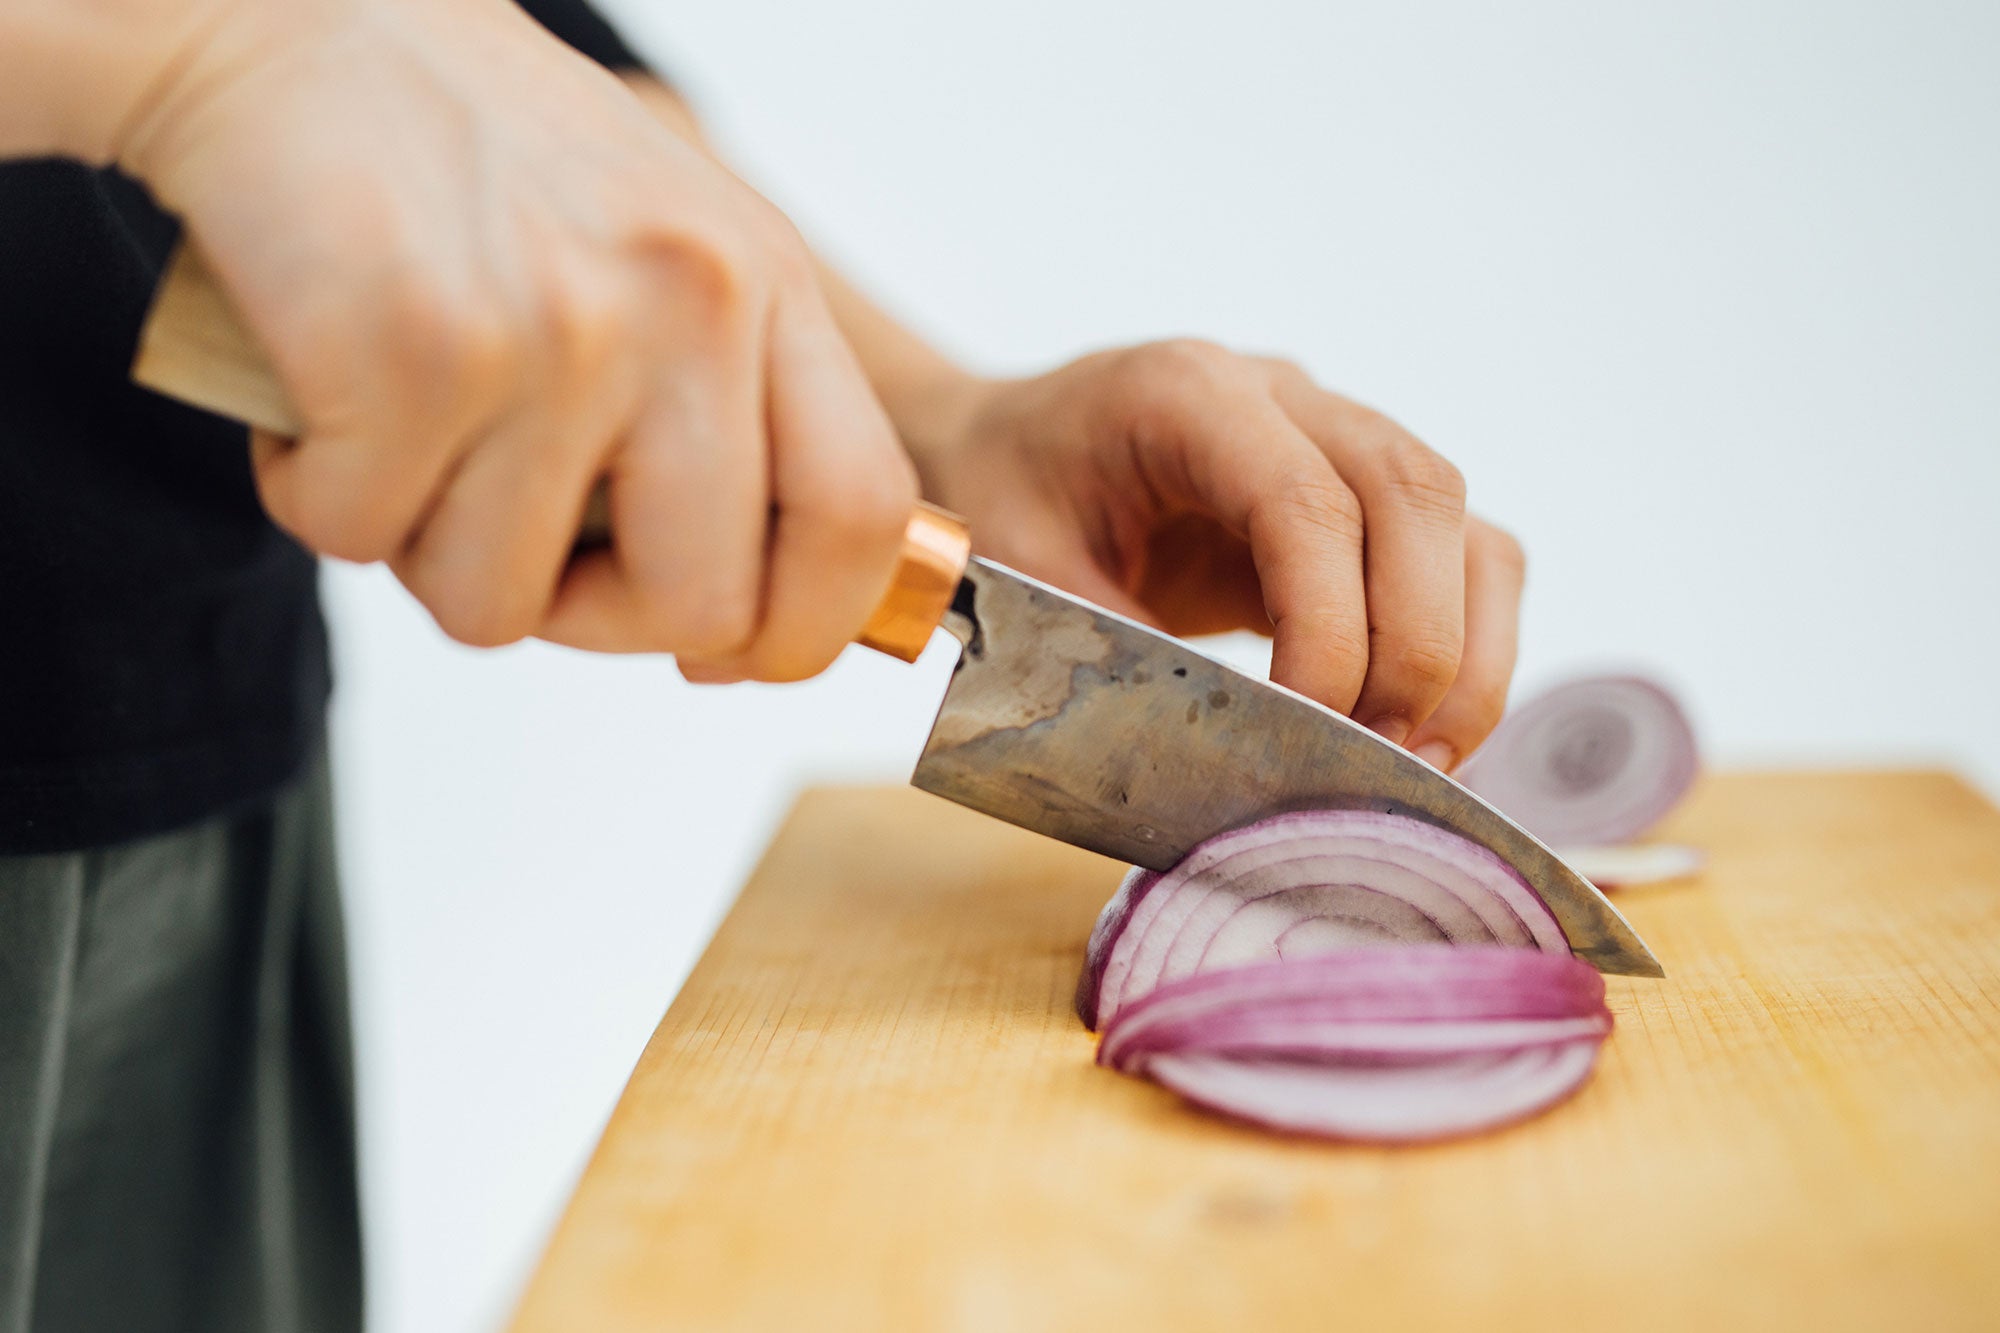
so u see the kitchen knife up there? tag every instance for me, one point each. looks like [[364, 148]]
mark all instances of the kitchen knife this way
[[1061, 717]]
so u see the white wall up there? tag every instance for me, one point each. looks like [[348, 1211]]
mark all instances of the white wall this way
[[1706, 301]]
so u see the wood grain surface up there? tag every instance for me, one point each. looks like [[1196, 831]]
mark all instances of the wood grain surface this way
[[871, 1108]]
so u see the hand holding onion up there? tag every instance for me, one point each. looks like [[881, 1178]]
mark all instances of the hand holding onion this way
[[1199, 490]]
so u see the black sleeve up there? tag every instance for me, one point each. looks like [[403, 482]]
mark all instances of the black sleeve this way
[[585, 29]]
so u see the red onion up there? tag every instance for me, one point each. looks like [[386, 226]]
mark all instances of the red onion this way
[[1595, 761], [1297, 885], [1253, 979]]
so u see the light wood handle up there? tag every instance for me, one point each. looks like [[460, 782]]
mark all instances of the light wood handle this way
[[194, 347]]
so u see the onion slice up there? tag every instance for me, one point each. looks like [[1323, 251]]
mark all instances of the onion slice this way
[[1460, 1095], [1595, 761]]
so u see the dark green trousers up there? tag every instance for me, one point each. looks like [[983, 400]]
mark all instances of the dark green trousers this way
[[176, 1109]]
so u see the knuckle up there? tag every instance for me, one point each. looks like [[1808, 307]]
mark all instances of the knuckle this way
[[448, 346], [585, 322], [1504, 549], [708, 274], [1322, 504], [786, 253], [1334, 638], [1420, 474], [1427, 662], [1169, 368], [1286, 373]]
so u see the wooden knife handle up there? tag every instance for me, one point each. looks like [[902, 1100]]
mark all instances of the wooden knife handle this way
[[194, 347]]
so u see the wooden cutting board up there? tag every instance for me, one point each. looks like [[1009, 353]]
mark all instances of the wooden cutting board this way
[[872, 1109]]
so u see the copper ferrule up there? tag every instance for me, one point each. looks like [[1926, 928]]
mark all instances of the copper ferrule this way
[[935, 549]]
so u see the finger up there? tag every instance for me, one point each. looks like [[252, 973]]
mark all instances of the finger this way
[[1230, 452], [379, 446], [488, 560], [339, 497], [1413, 507], [1494, 570], [844, 491], [689, 500]]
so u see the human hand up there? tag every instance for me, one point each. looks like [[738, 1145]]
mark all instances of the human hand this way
[[488, 278], [1202, 491]]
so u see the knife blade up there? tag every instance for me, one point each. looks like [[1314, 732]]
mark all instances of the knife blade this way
[[1084, 726]]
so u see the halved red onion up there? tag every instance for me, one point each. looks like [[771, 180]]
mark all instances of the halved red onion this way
[[1594, 761], [1345, 973], [1388, 1045], [1300, 885]]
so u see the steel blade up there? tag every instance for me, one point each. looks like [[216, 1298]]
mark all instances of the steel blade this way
[[1082, 725]]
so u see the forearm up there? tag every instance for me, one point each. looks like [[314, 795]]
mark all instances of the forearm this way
[[925, 393], [77, 75]]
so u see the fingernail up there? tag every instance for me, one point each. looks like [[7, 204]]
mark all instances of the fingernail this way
[[1438, 754], [1391, 727]]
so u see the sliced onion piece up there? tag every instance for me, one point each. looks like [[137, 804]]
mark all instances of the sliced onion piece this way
[[1461, 1094], [1594, 761], [1301, 885]]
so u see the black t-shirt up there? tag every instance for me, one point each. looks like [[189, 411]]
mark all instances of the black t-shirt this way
[[162, 657]]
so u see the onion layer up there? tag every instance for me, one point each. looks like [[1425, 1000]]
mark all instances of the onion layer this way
[[1388, 1045], [1595, 761]]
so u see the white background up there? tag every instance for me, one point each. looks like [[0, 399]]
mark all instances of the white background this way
[[1705, 300]]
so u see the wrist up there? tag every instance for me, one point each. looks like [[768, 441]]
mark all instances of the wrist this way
[[77, 76], [935, 412]]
